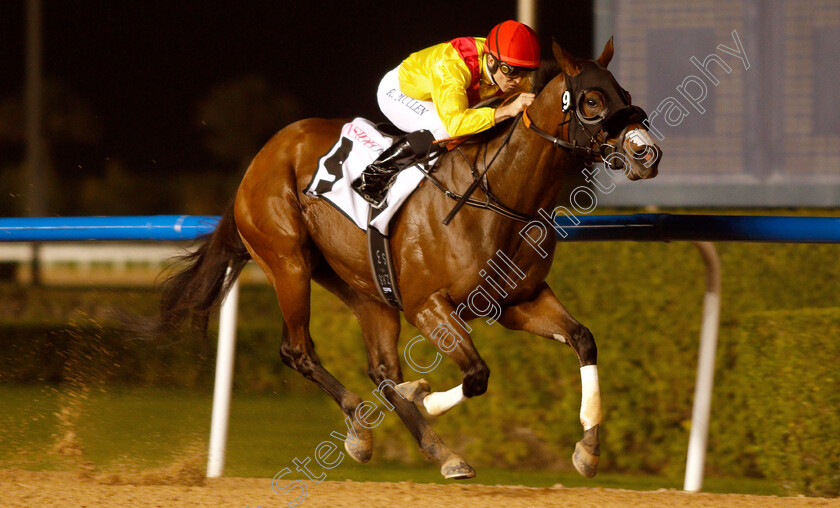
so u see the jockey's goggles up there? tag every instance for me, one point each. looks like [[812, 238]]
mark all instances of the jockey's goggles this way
[[515, 72]]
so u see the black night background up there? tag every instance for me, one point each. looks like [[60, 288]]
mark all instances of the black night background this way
[[145, 96]]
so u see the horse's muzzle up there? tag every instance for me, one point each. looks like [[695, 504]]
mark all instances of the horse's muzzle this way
[[612, 161]]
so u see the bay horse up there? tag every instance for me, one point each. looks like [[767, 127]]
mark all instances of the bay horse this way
[[581, 113]]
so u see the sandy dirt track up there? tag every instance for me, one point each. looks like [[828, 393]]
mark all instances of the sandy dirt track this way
[[25, 488]]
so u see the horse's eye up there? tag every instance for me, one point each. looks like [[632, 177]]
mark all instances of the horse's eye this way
[[591, 103]]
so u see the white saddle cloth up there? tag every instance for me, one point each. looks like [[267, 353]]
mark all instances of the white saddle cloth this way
[[359, 145]]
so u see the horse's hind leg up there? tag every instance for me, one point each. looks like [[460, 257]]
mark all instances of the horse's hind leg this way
[[381, 328], [288, 266], [544, 315], [300, 355], [384, 371]]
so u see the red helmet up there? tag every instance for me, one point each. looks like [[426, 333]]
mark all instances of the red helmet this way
[[514, 43]]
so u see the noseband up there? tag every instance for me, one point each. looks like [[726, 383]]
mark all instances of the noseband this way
[[584, 132]]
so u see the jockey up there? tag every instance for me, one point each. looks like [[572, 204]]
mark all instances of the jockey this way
[[442, 92]]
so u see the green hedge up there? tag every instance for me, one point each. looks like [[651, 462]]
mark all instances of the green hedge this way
[[95, 355], [790, 394], [642, 302]]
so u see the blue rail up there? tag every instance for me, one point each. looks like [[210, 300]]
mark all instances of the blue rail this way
[[154, 227], [708, 228], [635, 227]]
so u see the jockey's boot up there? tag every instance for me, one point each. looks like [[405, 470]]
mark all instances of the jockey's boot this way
[[377, 178]]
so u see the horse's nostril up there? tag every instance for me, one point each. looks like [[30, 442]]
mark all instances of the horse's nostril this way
[[638, 151]]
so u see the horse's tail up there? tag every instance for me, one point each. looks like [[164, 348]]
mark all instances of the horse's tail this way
[[194, 291]]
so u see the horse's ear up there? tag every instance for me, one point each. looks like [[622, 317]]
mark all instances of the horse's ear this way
[[607, 54], [565, 59]]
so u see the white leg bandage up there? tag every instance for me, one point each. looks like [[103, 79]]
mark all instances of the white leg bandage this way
[[590, 402], [438, 403]]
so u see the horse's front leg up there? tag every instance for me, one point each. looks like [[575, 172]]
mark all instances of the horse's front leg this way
[[438, 322], [545, 316]]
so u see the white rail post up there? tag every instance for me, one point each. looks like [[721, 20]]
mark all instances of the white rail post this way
[[224, 382], [526, 12], [698, 438]]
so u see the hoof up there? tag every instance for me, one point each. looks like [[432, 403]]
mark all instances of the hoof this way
[[360, 446], [587, 453], [415, 391], [456, 468]]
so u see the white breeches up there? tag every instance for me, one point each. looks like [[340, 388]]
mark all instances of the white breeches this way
[[407, 114]]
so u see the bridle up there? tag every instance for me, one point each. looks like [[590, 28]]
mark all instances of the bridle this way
[[586, 152], [584, 132]]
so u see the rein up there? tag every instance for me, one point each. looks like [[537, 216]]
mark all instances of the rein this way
[[465, 199], [622, 111], [492, 203], [494, 206], [586, 152]]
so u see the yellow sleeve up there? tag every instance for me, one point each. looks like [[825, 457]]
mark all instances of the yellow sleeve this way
[[449, 94]]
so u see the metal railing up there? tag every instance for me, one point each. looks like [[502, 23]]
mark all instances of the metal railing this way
[[700, 229]]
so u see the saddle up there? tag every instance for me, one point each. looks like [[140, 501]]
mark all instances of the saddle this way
[[360, 144]]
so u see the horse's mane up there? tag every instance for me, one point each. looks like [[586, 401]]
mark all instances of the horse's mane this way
[[548, 70]]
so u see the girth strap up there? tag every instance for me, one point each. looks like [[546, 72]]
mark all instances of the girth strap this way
[[382, 264]]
